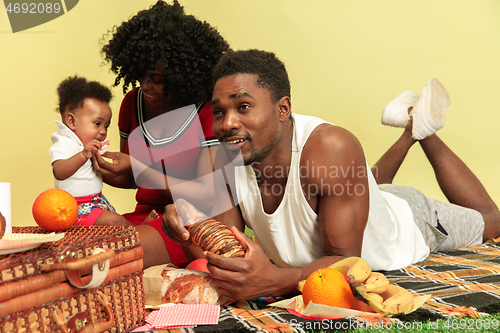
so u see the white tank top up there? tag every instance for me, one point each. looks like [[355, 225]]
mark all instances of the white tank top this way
[[290, 236]]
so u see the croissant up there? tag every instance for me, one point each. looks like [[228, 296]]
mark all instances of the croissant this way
[[214, 236]]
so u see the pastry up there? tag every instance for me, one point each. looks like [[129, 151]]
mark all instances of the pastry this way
[[214, 236]]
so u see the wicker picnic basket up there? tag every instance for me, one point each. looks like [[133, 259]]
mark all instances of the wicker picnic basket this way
[[47, 289]]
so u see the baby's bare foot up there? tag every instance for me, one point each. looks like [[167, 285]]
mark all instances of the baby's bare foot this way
[[153, 215]]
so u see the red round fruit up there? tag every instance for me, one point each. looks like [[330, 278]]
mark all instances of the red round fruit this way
[[198, 265]]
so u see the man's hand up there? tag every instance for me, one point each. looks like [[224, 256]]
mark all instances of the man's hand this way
[[248, 278], [188, 214], [176, 217]]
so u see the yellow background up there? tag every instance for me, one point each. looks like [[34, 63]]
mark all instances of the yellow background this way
[[346, 59]]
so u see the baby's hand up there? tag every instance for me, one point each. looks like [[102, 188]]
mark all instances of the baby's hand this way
[[91, 148]]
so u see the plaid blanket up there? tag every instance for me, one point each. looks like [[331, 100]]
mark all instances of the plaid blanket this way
[[256, 316], [463, 283]]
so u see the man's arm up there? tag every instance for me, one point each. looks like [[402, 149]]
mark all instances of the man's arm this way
[[224, 209], [342, 205]]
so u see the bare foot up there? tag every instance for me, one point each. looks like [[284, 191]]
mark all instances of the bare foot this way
[[153, 215]]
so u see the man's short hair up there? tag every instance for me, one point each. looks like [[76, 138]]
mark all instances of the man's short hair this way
[[73, 91], [271, 72]]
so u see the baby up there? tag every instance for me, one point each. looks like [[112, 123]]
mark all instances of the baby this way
[[86, 115]]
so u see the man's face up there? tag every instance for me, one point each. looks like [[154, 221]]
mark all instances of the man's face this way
[[245, 118]]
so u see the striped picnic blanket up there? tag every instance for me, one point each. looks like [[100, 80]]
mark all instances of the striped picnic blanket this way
[[462, 283], [256, 316]]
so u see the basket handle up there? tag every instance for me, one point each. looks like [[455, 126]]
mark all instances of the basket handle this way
[[79, 263], [102, 326], [71, 266]]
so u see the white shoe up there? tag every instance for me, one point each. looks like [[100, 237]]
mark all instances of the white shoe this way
[[428, 114], [396, 111]]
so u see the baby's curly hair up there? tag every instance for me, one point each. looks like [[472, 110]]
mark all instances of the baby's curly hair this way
[[73, 91], [271, 72], [187, 48]]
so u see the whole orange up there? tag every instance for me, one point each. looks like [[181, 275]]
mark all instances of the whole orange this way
[[55, 210], [328, 286]]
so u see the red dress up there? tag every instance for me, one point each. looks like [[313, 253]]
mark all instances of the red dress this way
[[172, 151]]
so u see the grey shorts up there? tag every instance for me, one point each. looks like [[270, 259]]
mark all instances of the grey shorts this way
[[445, 226]]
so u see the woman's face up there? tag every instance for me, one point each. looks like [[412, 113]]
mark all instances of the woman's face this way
[[152, 85]]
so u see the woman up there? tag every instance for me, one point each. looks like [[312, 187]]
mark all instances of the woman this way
[[166, 123]]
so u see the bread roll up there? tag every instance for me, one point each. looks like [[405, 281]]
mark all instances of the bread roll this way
[[214, 236], [189, 287]]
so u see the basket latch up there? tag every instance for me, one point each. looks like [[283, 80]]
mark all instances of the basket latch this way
[[81, 322], [71, 265]]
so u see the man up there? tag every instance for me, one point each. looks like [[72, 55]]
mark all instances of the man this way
[[308, 195]]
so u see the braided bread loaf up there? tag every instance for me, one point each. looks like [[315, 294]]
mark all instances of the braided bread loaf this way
[[214, 236]]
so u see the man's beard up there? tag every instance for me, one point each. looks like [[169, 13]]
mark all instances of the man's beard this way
[[254, 155]]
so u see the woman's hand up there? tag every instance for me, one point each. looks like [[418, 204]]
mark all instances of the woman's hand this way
[[120, 164], [248, 278]]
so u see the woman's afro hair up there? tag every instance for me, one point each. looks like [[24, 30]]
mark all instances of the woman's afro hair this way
[[271, 72], [73, 91], [187, 48]]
